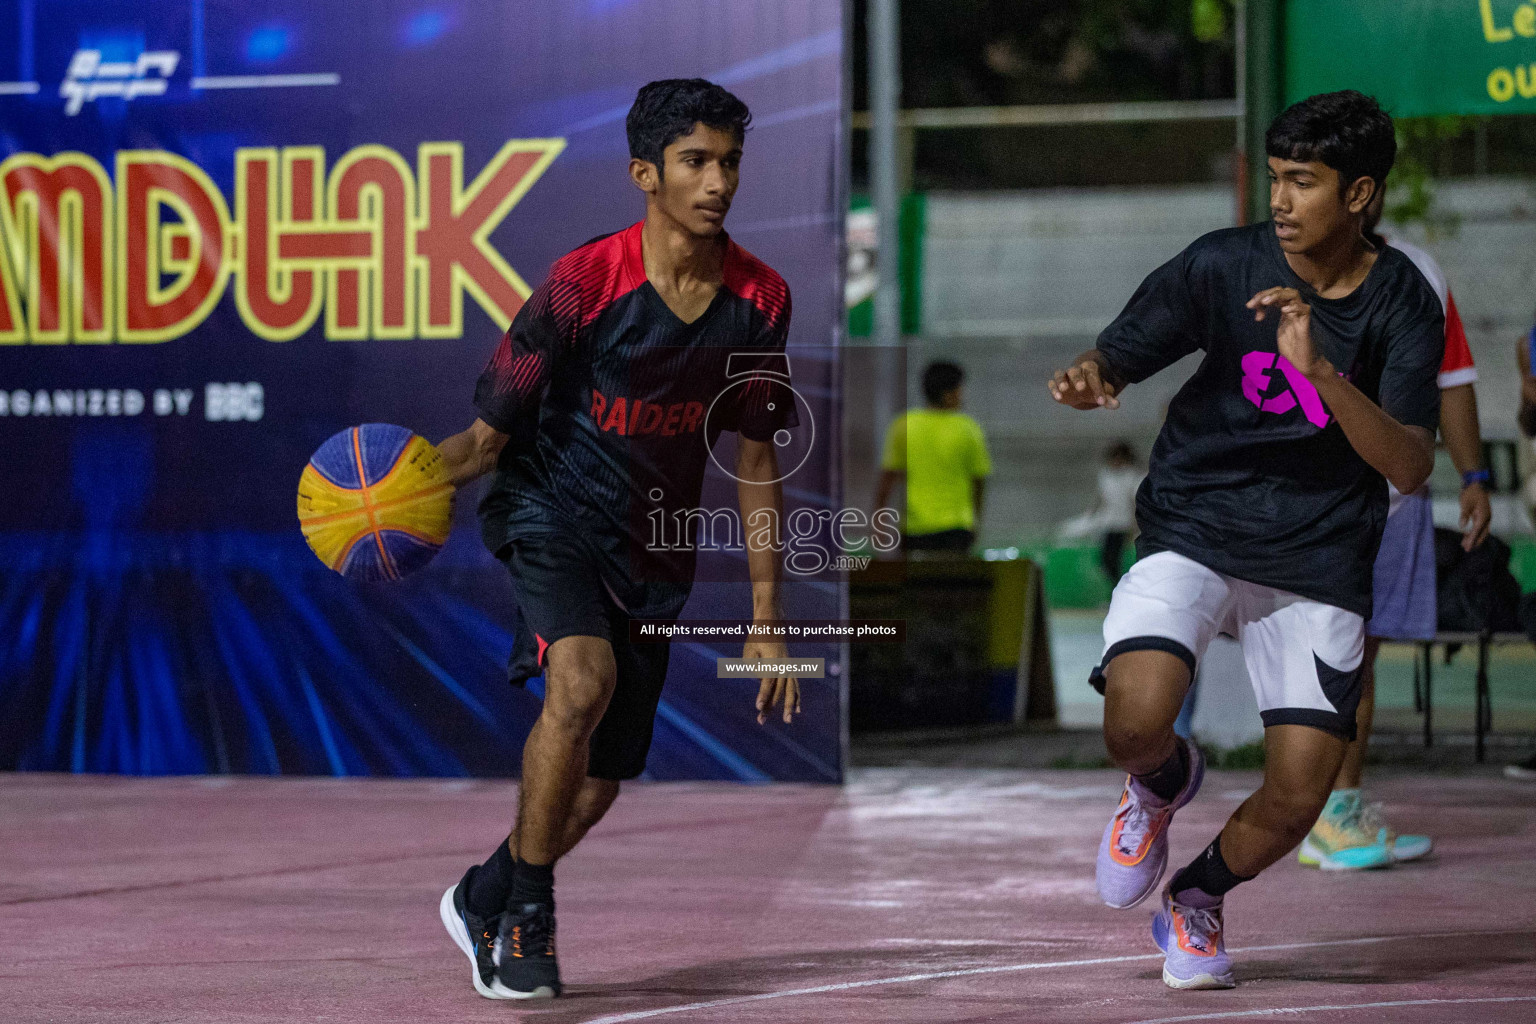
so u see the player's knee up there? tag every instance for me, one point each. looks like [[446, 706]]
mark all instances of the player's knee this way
[[575, 714], [576, 693], [1132, 743]]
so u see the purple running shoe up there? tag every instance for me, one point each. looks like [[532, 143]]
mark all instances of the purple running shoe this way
[[1134, 850], [1195, 956]]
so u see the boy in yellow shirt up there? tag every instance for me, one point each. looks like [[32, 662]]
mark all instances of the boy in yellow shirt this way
[[941, 453]]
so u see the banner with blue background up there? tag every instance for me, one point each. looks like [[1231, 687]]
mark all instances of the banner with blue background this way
[[227, 231]]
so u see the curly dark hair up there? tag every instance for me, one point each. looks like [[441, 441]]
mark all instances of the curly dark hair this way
[[1346, 130], [666, 110]]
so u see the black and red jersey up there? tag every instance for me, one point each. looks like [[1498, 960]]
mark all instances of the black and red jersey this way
[[613, 403]]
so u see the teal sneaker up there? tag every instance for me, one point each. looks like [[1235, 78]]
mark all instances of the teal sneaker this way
[[1404, 848], [1348, 837]]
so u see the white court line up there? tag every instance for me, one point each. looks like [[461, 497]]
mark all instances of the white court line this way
[[264, 81], [845, 986], [18, 88], [1229, 1014]]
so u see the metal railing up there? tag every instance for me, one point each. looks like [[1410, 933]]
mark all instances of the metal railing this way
[[929, 118]]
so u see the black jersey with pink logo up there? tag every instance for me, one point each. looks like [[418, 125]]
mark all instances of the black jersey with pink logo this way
[[613, 403], [1251, 476]]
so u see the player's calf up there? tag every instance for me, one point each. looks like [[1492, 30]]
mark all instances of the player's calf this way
[[1282, 814], [1300, 763], [592, 803]]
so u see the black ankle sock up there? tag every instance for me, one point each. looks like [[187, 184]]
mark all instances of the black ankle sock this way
[[491, 884], [1170, 778], [533, 883], [1208, 873]]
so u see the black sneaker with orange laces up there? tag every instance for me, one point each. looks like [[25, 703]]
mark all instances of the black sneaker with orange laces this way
[[528, 968], [475, 936]]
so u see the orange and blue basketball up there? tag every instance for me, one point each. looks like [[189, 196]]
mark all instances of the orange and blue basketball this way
[[375, 502]]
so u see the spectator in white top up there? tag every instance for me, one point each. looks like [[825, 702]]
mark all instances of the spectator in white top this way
[[1116, 508]]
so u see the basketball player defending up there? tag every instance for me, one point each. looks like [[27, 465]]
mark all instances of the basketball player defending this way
[[1263, 506], [595, 411]]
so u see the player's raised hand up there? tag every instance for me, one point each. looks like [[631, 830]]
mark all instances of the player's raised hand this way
[[1083, 387], [1295, 334]]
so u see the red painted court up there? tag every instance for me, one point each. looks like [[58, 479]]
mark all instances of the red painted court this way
[[921, 896]]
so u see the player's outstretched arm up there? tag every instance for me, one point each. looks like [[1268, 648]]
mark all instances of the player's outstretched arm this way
[[1403, 454], [762, 504], [472, 453], [1088, 383]]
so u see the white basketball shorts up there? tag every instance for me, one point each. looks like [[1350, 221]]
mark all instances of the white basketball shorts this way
[[1303, 656]]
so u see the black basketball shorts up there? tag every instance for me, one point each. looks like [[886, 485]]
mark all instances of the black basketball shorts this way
[[561, 593]]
